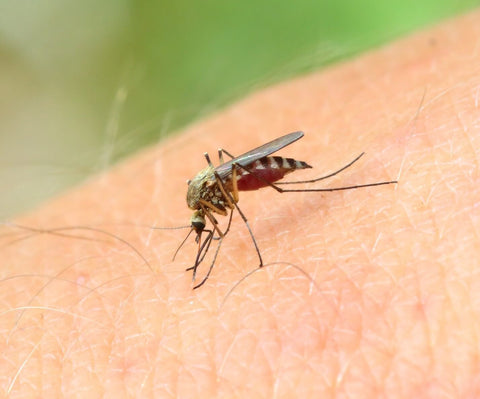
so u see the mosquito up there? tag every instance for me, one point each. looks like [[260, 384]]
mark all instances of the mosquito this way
[[215, 190]]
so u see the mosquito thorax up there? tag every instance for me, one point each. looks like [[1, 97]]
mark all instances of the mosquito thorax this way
[[198, 185]]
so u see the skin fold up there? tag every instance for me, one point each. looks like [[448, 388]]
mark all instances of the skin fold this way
[[366, 293]]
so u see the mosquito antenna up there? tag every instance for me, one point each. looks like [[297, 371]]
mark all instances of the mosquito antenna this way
[[170, 228], [181, 245], [324, 177]]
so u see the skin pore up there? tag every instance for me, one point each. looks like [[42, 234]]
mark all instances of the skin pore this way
[[383, 298]]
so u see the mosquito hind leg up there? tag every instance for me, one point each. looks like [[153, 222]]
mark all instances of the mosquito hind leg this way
[[316, 190], [324, 177]]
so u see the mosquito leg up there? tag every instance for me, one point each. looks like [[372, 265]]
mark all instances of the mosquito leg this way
[[224, 233], [244, 218], [212, 219], [211, 266], [232, 197], [205, 248], [219, 237], [229, 223], [207, 157], [229, 198], [307, 190], [222, 151], [324, 177], [220, 156], [234, 183], [319, 190], [202, 251]]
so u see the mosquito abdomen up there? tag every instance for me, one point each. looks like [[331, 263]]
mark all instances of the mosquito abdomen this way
[[266, 170]]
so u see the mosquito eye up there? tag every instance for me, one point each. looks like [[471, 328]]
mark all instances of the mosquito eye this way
[[198, 225], [197, 221]]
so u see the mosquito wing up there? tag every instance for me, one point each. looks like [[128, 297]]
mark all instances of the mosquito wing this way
[[246, 159]]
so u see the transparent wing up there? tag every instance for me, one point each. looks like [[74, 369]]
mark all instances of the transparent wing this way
[[251, 156]]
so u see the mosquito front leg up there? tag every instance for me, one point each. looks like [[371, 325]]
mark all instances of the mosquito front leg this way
[[229, 223], [210, 217], [234, 183], [211, 265], [207, 157], [202, 251]]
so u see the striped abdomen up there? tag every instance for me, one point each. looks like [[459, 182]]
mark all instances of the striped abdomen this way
[[266, 169]]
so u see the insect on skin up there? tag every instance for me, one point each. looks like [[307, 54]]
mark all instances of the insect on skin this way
[[216, 190]]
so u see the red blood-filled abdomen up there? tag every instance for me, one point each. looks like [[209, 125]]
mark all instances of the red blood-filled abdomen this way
[[266, 170]]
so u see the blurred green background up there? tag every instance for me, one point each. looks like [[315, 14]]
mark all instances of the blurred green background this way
[[84, 83]]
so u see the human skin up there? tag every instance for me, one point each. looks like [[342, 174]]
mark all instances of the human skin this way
[[366, 293]]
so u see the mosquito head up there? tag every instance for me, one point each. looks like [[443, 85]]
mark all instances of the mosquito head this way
[[198, 221]]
